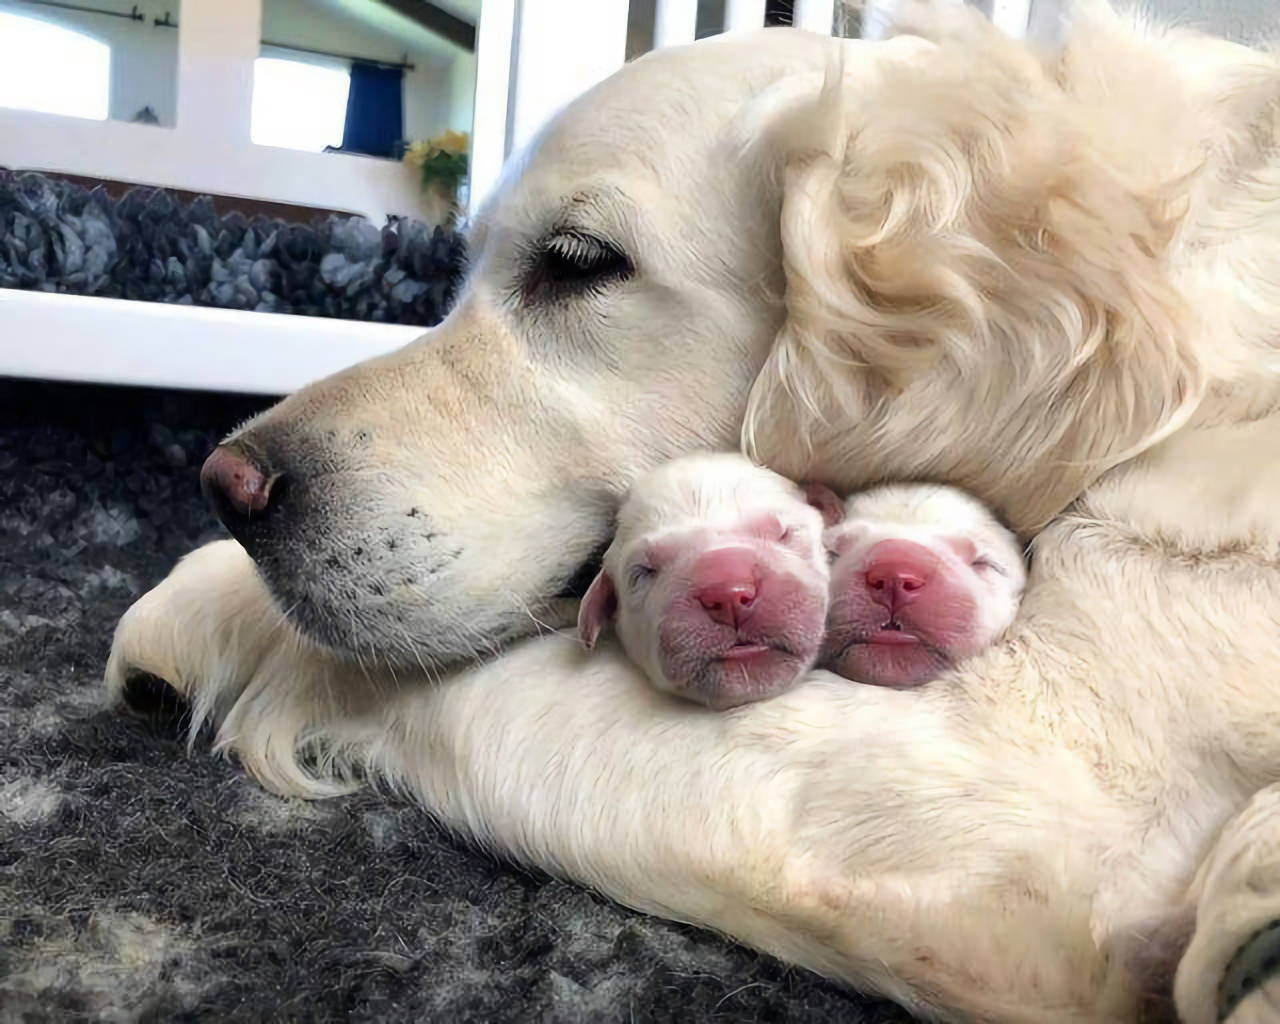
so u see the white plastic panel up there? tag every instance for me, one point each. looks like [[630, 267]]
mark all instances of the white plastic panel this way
[[118, 341]]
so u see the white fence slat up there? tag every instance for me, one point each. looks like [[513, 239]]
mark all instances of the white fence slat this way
[[877, 18], [494, 37], [815, 15], [563, 48], [1011, 16], [742, 15], [675, 23]]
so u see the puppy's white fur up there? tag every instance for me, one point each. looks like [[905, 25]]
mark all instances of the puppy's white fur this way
[[1055, 282], [931, 515], [713, 497]]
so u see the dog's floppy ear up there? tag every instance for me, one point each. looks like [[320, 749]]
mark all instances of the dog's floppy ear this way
[[975, 285], [598, 607]]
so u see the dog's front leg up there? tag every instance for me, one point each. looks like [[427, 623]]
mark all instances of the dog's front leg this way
[[743, 822], [569, 761], [815, 826]]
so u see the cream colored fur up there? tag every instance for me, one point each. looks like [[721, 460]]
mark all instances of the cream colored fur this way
[[1055, 282]]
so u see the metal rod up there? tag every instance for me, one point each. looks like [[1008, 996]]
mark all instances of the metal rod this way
[[402, 65], [131, 15]]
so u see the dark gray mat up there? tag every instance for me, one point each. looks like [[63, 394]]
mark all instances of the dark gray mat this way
[[151, 244], [140, 883]]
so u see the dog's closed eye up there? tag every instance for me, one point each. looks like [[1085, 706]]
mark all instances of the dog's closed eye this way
[[574, 261]]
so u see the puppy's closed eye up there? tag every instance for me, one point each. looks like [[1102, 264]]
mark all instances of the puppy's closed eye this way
[[639, 574]]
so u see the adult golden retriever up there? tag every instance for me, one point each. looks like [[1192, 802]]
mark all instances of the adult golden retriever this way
[[1051, 279]]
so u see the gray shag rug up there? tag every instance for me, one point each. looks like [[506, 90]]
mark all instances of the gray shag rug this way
[[152, 245], [141, 883]]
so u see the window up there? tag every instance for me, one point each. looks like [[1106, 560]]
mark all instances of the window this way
[[52, 69], [297, 104]]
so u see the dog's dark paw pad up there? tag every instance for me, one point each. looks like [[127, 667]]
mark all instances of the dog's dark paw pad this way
[[151, 697], [1255, 963]]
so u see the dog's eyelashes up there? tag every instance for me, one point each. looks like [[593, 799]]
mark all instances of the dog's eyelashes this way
[[575, 261]]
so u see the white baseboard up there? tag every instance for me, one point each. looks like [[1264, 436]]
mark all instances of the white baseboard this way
[[118, 341]]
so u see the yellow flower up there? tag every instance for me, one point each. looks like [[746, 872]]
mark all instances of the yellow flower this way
[[451, 142], [416, 155]]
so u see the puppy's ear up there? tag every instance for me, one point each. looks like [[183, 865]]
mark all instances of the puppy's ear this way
[[598, 607], [826, 501]]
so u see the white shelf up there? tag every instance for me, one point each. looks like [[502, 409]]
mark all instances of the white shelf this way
[[117, 341]]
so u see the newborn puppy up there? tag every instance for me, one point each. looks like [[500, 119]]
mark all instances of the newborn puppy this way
[[922, 577], [717, 578]]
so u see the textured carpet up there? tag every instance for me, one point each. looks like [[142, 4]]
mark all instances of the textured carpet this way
[[138, 882], [151, 244]]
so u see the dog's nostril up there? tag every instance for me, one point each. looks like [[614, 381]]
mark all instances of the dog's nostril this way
[[237, 489]]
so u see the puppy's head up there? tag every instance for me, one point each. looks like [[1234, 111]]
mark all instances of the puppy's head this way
[[922, 577], [717, 579]]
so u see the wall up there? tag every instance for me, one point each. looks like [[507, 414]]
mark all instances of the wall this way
[[428, 106], [209, 149], [144, 59], [462, 93]]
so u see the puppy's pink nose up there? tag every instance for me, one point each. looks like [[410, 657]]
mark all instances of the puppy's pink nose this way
[[724, 582], [898, 571]]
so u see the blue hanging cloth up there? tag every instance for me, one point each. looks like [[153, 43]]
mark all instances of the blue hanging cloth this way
[[375, 111]]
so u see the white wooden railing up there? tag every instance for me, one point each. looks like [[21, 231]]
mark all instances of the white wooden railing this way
[[533, 56], [529, 37]]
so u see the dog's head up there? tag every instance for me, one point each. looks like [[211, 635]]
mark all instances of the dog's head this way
[[918, 267]]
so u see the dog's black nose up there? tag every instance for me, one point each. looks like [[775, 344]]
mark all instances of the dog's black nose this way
[[238, 490]]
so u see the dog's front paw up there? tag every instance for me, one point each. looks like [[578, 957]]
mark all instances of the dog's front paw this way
[[210, 638], [1231, 969], [195, 637], [1250, 988]]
